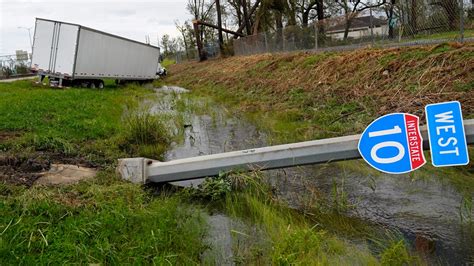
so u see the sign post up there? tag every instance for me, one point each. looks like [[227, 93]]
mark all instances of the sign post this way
[[446, 133], [141, 170]]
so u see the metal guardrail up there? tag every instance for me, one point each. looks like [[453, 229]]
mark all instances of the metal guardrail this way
[[141, 170]]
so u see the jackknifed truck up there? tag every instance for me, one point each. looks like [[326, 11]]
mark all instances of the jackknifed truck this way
[[73, 55]]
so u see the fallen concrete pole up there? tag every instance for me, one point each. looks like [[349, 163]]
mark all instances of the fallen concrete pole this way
[[142, 170]]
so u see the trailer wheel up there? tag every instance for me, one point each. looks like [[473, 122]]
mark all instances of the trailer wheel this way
[[100, 84], [92, 85]]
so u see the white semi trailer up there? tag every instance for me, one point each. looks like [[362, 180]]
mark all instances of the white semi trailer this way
[[74, 55]]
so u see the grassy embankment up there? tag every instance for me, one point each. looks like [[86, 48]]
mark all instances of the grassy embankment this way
[[302, 96], [104, 220]]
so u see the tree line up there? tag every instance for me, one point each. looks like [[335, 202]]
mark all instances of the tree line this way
[[250, 17]]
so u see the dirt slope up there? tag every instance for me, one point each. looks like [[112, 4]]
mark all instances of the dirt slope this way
[[396, 79]]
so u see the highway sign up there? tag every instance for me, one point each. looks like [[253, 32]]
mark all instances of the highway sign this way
[[393, 144], [448, 143], [142, 170]]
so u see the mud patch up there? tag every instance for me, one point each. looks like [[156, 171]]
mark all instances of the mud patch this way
[[26, 169], [65, 174], [22, 170], [7, 135]]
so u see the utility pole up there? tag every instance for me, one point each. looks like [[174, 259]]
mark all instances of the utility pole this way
[[219, 27]]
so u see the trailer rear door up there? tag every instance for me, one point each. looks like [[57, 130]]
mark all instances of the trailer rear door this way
[[42, 44], [54, 47]]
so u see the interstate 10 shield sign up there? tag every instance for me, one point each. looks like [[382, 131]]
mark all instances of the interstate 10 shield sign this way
[[393, 144]]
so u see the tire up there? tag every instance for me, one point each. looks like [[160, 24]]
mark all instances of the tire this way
[[100, 84], [67, 83], [92, 85]]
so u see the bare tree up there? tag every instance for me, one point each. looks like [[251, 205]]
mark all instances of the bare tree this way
[[202, 10], [306, 7], [244, 12], [236, 11]]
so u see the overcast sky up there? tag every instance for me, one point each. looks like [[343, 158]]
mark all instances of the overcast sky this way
[[127, 18]]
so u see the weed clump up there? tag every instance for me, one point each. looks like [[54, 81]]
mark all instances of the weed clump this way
[[141, 127], [396, 254], [145, 134], [50, 143], [211, 189], [217, 188]]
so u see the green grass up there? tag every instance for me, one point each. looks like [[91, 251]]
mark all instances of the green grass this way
[[145, 133], [167, 62], [293, 240], [103, 221], [314, 59], [396, 254], [275, 234], [81, 122], [76, 114]]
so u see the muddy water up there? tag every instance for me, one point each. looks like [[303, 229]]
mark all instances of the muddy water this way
[[425, 211], [214, 131], [211, 132]]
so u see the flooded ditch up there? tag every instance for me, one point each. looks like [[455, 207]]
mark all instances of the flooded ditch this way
[[426, 211]]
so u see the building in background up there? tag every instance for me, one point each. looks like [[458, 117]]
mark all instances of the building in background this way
[[360, 27]]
